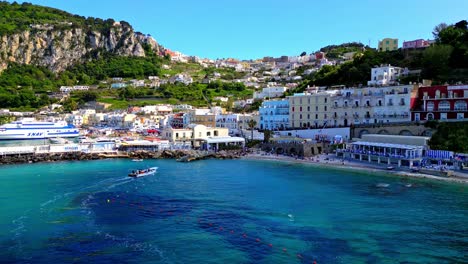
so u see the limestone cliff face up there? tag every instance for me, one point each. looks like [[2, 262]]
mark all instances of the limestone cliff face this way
[[58, 49]]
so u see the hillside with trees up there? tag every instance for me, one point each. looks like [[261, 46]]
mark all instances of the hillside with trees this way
[[444, 61]]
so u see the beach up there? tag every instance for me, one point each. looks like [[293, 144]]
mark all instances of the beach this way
[[331, 161]]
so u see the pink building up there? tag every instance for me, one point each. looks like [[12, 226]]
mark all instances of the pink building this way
[[416, 44]]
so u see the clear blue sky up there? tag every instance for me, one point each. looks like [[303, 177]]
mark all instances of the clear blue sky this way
[[249, 29]]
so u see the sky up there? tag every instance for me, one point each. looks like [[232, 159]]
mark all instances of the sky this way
[[251, 29]]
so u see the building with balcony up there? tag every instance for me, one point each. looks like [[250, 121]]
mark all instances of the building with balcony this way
[[200, 136], [274, 115], [388, 44], [371, 105], [385, 75], [310, 110], [443, 102]]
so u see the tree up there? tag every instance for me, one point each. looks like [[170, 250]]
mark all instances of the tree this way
[[436, 61], [252, 123], [267, 135], [437, 29]]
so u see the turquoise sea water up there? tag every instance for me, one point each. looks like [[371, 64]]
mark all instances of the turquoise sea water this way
[[232, 211]]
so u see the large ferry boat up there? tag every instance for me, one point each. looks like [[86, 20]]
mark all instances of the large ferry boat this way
[[31, 129]]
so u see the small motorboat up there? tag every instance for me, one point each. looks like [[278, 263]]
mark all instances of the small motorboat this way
[[137, 160], [143, 172], [390, 168]]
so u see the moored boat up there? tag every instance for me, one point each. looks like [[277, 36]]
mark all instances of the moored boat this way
[[137, 160], [143, 172], [32, 129]]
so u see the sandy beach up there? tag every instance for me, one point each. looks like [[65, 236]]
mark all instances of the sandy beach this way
[[331, 161]]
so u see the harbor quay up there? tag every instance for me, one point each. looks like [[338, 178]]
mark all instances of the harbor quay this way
[[103, 150]]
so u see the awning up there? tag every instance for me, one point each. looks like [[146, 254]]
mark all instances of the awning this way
[[386, 145], [214, 140]]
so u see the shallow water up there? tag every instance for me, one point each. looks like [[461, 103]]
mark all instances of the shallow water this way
[[233, 211]]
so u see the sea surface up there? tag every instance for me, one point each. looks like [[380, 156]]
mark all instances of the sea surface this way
[[226, 211]]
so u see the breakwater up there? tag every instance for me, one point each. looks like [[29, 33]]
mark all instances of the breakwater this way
[[180, 155]]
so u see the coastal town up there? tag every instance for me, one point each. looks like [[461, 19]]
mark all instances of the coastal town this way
[[233, 132], [380, 123]]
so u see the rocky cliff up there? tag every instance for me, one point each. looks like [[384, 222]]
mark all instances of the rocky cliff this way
[[60, 47]]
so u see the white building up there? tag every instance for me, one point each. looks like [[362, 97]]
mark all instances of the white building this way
[[270, 92], [384, 75], [230, 121], [67, 89]]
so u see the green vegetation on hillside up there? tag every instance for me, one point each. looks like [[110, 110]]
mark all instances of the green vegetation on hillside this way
[[25, 87], [335, 51], [16, 17], [450, 136], [445, 61]]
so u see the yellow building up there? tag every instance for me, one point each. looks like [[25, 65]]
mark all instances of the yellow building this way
[[388, 44], [208, 120], [308, 110]]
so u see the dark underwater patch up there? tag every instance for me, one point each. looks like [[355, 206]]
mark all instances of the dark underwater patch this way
[[120, 208]]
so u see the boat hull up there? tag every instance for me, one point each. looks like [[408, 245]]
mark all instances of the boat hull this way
[[149, 172], [36, 135]]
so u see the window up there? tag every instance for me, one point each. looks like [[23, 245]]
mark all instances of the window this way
[[417, 117], [430, 116], [444, 106], [316, 116], [387, 42], [460, 106], [300, 116], [177, 135], [437, 95], [316, 108], [402, 101], [325, 108], [208, 134], [380, 102], [460, 115], [325, 100], [216, 133], [300, 109], [430, 106]]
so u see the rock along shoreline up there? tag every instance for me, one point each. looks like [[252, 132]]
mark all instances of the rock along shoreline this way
[[179, 155]]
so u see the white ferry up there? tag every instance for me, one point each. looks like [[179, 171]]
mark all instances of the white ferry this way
[[31, 129]]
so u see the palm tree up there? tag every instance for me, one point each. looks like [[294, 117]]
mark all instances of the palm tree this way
[[252, 123]]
